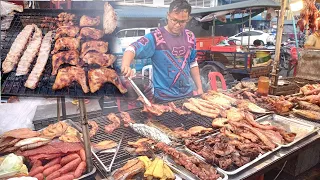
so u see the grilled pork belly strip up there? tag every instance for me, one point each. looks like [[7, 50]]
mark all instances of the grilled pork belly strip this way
[[42, 59], [30, 53], [17, 49]]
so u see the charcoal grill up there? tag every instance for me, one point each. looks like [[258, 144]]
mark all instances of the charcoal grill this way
[[14, 85]]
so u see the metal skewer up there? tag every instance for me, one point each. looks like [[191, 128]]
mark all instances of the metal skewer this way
[[137, 90], [115, 154]]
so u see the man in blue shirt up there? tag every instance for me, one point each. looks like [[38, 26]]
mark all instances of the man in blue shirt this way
[[172, 49]]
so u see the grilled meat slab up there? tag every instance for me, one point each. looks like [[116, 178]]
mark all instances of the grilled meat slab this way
[[98, 46], [69, 74], [109, 19], [42, 59], [92, 33], [70, 57], [97, 77], [70, 31], [30, 53], [114, 125], [101, 59], [17, 49], [66, 42], [89, 21]]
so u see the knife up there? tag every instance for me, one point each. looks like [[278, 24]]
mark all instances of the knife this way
[[115, 154], [137, 90]]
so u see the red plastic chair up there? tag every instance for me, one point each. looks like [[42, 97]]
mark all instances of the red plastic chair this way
[[212, 76], [57, 3]]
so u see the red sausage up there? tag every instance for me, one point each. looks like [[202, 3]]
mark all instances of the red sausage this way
[[70, 166], [80, 169], [36, 170], [65, 160], [53, 175], [82, 154], [65, 177], [39, 176], [53, 162], [51, 169], [35, 164]]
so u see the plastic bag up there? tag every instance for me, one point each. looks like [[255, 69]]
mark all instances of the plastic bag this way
[[12, 164]]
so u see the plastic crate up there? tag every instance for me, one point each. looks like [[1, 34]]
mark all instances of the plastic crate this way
[[204, 43], [223, 48]]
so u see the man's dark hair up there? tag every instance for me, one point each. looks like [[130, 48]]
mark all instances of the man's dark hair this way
[[179, 5], [257, 42]]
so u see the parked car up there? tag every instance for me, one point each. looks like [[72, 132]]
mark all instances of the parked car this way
[[128, 36], [254, 35]]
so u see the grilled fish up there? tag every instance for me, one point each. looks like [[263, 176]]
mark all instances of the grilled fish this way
[[309, 106], [314, 115]]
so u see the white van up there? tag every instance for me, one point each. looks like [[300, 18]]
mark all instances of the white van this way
[[128, 36]]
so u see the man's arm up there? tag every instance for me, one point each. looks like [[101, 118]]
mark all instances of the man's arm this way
[[195, 73], [127, 58]]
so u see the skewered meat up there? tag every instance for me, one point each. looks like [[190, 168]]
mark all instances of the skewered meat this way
[[234, 114], [94, 128], [107, 144], [308, 106], [254, 123], [229, 134], [91, 33], [193, 108], [131, 168], [246, 105], [202, 107], [219, 122], [221, 101], [97, 77], [30, 53], [69, 74], [310, 89], [70, 57], [101, 59], [66, 16], [249, 135], [66, 42], [178, 110], [196, 130], [17, 48], [89, 21], [109, 19], [98, 46], [314, 115], [114, 125], [274, 136], [314, 99], [70, 31], [126, 119]]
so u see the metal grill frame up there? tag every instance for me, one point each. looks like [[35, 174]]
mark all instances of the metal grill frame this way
[[14, 85]]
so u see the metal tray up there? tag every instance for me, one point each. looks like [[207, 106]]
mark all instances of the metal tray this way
[[302, 129], [235, 171], [183, 172], [93, 171]]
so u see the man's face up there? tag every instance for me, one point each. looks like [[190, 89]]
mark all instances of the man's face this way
[[177, 21]]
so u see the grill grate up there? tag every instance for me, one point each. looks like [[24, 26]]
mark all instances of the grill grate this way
[[12, 85]]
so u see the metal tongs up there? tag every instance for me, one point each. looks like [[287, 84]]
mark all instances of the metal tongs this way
[[137, 90]]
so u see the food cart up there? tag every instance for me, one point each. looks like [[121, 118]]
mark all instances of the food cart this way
[[176, 130]]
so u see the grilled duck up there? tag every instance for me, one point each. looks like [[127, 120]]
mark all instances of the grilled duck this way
[[91, 33], [97, 77], [70, 57], [66, 42], [101, 59], [42, 59], [98, 46], [17, 49], [69, 74], [109, 19], [314, 115], [30, 53], [70, 31], [89, 21]]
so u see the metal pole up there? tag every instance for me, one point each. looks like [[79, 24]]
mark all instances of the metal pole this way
[[295, 31], [63, 108], [58, 108], [242, 29], [213, 30], [249, 30], [85, 131], [275, 69]]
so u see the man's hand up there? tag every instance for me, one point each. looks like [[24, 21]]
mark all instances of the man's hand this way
[[127, 71]]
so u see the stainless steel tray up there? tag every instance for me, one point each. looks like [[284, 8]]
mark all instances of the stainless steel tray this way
[[183, 172], [302, 129], [93, 171]]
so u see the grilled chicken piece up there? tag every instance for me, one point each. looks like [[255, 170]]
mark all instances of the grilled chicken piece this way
[[89, 21], [30, 53], [91, 33], [114, 125], [70, 31], [98, 46], [70, 57], [104, 60], [17, 49], [66, 42], [42, 59], [198, 130], [109, 19], [69, 74], [97, 77]]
